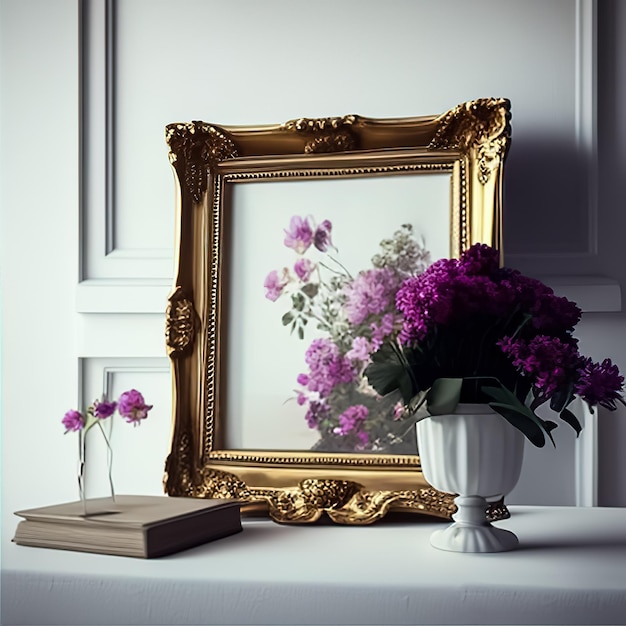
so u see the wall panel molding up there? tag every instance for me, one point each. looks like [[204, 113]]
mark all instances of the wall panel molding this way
[[100, 209], [586, 139]]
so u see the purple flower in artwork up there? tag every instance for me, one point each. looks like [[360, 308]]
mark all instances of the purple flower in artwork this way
[[321, 238], [360, 350], [600, 383], [299, 235], [304, 268], [132, 407], [275, 283], [352, 419], [382, 330], [371, 292], [104, 409], [73, 421], [317, 411], [399, 411], [327, 366]]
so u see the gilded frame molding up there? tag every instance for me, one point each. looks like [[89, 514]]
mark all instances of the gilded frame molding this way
[[469, 142]]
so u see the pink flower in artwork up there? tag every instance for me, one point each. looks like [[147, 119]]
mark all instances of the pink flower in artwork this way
[[360, 350], [275, 283], [303, 269], [299, 235], [398, 411]]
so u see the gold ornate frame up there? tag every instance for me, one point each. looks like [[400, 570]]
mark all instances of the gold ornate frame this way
[[469, 142]]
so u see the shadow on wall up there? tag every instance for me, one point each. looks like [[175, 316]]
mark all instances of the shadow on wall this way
[[545, 201]]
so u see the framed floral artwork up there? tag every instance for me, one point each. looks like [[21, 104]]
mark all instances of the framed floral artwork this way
[[292, 241]]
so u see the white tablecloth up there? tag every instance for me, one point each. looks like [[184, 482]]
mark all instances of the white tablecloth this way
[[570, 568]]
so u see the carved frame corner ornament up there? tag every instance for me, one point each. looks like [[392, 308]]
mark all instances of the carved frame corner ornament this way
[[482, 125], [195, 148], [467, 144]]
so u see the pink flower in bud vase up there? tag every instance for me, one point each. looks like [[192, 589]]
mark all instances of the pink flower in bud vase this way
[[73, 421], [104, 409], [132, 407]]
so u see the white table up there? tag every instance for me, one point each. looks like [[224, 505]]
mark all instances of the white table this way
[[570, 569]]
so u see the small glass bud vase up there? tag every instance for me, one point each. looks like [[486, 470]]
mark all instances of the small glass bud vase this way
[[95, 469], [95, 454]]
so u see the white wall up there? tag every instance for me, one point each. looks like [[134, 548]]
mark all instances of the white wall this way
[[74, 316]]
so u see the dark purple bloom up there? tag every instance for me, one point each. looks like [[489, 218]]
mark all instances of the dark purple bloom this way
[[549, 361], [453, 291], [462, 318], [480, 259], [321, 238], [104, 409], [132, 407], [427, 299], [600, 383], [299, 236], [73, 421]]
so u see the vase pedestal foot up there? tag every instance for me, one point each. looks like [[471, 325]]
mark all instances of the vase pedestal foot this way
[[461, 538], [471, 532]]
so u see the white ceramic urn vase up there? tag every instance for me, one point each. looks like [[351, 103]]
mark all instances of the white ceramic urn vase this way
[[475, 453]]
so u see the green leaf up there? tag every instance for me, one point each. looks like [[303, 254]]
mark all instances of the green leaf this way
[[444, 395], [287, 318], [569, 418], [298, 301], [388, 372], [530, 430], [562, 398], [519, 415], [417, 402], [310, 290], [300, 332]]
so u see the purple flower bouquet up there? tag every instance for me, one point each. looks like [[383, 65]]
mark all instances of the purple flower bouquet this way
[[348, 317], [475, 332]]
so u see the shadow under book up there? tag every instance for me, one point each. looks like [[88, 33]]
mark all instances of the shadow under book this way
[[137, 526]]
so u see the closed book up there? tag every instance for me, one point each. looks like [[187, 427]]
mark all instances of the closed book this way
[[137, 526]]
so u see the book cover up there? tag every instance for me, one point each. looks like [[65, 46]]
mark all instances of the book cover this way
[[137, 526]]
